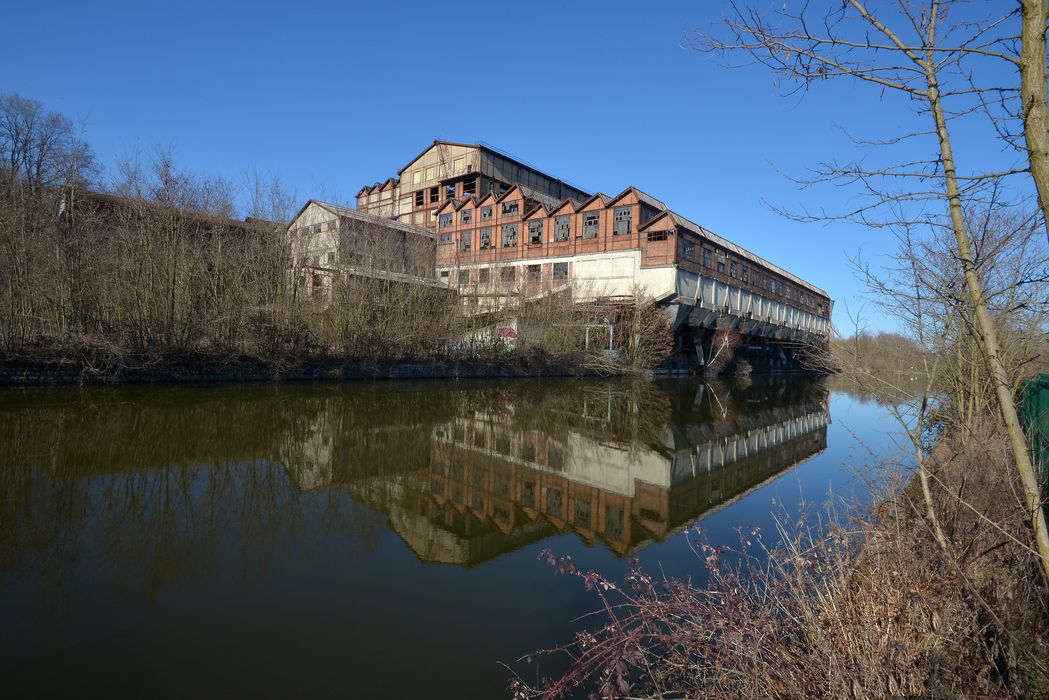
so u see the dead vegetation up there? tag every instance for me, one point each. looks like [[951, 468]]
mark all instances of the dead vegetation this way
[[862, 606], [151, 266]]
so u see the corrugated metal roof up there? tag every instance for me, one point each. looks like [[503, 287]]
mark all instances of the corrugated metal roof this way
[[744, 253], [727, 244], [650, 200], [348, 213]]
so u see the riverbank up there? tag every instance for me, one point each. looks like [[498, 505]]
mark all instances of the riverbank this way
[[88, 368], [865, 602]]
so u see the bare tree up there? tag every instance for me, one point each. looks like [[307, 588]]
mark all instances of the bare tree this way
[[1034, 97], [40, 148], [920, 52]]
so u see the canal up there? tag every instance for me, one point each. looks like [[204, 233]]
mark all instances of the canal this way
[[373, 539]]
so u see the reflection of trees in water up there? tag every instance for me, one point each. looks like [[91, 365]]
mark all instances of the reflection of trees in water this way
[[162, 486]]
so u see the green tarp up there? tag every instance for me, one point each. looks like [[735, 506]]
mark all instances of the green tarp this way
[[1034, 412]]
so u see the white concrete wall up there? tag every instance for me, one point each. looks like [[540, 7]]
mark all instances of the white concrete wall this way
[[610, 274]]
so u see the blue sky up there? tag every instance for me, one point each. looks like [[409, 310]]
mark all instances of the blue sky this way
[[330, 96]]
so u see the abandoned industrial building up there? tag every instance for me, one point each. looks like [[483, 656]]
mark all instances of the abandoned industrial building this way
[[330, 242], [501, 233], [448, 171]]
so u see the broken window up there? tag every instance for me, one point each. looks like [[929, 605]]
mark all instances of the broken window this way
[[420, 199], [465, 239], [657, 235], [553, 503], [484, 275], [511, 208], [688, 250], [591, 224], [621, 221], [706, 258], [613, 522], [445, 220], [509, 235], [535, 232], [732, 269], [486, 238], [582, 511], [528, 494], [469, 188], [435, 195], [446, 238], [486, 213], [560, 271], [444, 274], [467, 216], [449, 191], [464, 277], [535, 273], [721, 263], [508, 274], [745, 273], [563, 227]]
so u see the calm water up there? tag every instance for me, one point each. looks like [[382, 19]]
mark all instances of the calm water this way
[[370, 540]]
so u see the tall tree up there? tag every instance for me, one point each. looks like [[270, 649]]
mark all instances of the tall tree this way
[[1033, 94], [914, 51]]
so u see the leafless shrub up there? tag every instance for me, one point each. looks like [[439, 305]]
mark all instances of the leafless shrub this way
[[857, 607]]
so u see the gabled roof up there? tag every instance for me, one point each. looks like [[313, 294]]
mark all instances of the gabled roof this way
[[506, 194], [570, 203], [665, 216], [603, 198], [347, 213], [641, 196], [681, 222], [537, 208], [486, 196], [445, 203], [437, 142], [493, 151], [466, 200]]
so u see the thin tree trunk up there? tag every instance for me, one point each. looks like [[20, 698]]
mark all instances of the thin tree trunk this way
[[1033, 92], [987, 336]]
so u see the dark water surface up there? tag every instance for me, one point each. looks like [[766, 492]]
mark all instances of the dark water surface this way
[[370, 540]]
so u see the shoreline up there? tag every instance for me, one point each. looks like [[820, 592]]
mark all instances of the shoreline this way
[[39, 371]]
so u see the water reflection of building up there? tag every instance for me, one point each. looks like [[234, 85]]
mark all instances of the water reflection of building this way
[[494, 481]]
